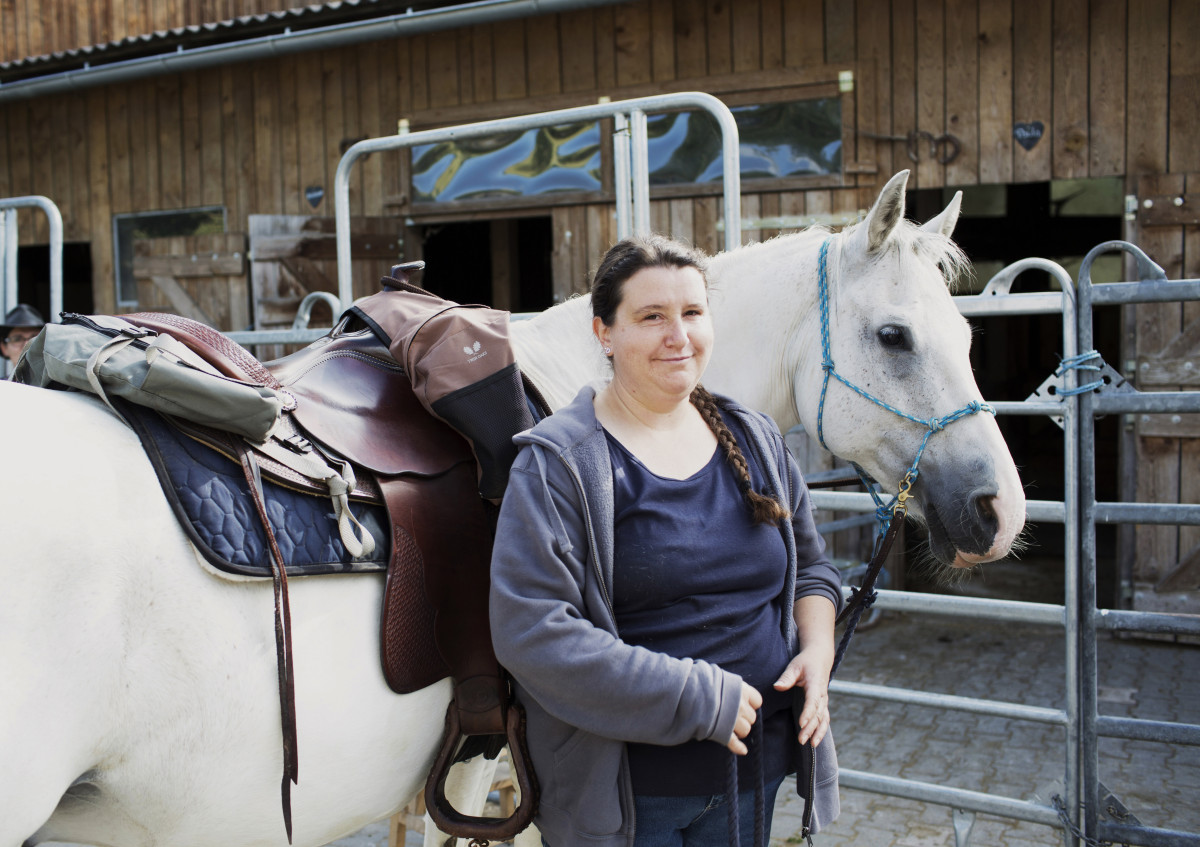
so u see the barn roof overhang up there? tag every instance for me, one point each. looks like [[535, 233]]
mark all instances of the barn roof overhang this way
[[253, 37]]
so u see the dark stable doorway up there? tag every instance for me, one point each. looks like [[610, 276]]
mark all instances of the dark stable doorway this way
[[33, 277], [459, 261]]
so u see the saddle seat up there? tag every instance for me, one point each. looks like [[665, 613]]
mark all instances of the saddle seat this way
[[352, 397]]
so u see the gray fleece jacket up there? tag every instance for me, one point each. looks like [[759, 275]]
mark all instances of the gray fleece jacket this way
[[585, 691]]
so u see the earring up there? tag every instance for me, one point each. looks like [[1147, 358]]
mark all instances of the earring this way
[[607, 351]]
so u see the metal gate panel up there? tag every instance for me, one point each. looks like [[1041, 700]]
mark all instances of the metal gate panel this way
[[1151, 286]]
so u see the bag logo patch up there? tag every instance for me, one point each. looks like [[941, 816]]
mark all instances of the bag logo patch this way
[[472, 350]]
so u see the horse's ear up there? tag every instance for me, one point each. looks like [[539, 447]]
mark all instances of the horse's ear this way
[[944, 223], [887, 212]]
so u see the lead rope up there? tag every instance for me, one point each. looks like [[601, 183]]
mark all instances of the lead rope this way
[[731, 789]]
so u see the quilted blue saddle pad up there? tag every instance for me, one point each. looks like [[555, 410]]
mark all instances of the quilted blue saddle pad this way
[[211, 499]]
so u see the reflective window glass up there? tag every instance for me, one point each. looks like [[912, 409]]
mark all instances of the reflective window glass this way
[[777, 140], [514, 164]]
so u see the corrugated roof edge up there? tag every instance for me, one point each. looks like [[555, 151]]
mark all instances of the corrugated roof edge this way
[[227, 31]]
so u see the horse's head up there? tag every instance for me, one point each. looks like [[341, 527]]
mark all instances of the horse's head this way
[[895, 339]]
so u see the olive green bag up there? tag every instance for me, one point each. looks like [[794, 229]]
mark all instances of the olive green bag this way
[[110, 357]]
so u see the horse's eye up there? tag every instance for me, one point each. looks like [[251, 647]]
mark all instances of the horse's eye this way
[[894, 337]]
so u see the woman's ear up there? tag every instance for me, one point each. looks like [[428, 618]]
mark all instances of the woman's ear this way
[[600, 331]]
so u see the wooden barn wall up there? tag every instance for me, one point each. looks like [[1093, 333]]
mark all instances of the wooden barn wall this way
[[1114, 83]]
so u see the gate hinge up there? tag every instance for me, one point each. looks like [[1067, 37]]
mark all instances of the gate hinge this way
[[1166, 209]]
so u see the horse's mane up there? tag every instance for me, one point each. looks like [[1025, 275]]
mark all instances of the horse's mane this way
[[907, 237]]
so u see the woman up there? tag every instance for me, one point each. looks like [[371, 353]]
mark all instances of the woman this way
[[659, 588]]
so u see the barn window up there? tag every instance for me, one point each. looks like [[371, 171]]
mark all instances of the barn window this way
[[180, 222], [540, 161], [794, 137], [777, 140]]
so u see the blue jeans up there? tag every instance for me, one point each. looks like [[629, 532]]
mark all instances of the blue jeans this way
[[699, 821]]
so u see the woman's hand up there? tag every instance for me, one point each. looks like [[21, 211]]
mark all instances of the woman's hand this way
[[748, 708], [810, 670]]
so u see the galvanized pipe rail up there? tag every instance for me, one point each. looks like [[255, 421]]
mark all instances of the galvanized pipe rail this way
[[1152, 287], [632, 174], [9, 245], [997, 299]]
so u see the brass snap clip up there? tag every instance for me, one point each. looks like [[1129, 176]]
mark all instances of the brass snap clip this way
[[903, 496]]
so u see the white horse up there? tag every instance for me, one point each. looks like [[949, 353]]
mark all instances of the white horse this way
[[138, 700]]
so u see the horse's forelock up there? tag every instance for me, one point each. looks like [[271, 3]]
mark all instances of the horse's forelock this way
[[934, 248]]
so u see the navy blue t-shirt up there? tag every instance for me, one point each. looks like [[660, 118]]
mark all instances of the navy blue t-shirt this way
[[695, 577]]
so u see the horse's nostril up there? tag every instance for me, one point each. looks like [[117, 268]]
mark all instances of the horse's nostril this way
[[985, 521]]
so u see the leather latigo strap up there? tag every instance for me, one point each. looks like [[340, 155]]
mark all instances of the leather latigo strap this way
[[283, 641]]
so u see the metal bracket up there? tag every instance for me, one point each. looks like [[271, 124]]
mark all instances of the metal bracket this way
[[964, 822], [1113, 809], [1051, 388]]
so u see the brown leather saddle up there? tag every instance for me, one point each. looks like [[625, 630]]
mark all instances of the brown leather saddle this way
[[352, 399]]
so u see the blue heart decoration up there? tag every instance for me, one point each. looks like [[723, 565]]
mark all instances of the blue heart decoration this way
[[1028, 134], [314, 194]]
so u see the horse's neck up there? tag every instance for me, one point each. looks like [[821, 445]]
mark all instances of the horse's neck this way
[[765, 318], [557, 351]]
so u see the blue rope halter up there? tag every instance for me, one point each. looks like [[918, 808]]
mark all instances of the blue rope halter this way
[[899, 502]]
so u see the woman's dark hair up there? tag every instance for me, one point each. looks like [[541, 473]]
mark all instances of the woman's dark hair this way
[[764, 509], [630, 255], [621, 262]]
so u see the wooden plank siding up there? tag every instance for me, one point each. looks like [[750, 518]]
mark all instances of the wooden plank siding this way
[[1112, 82]]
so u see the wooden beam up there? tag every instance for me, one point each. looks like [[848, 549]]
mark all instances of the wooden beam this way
[[317, 245], [1175, 363], [197, 265], [1169, 210], [1168, 426], [1185, 576], [307, 274]]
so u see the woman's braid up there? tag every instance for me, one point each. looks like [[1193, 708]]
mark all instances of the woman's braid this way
[[764, 509]]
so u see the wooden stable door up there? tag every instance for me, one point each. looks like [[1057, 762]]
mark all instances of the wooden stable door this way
[[1163, 353], [202, 277]]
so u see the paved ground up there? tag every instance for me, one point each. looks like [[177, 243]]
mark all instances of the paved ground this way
[[1016, 663], [1159, 784]]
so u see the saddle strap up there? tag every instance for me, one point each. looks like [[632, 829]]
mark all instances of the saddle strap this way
[[283, 639], [340, 481]]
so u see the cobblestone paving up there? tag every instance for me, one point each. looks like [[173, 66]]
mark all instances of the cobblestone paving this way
[[1159, 784]]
